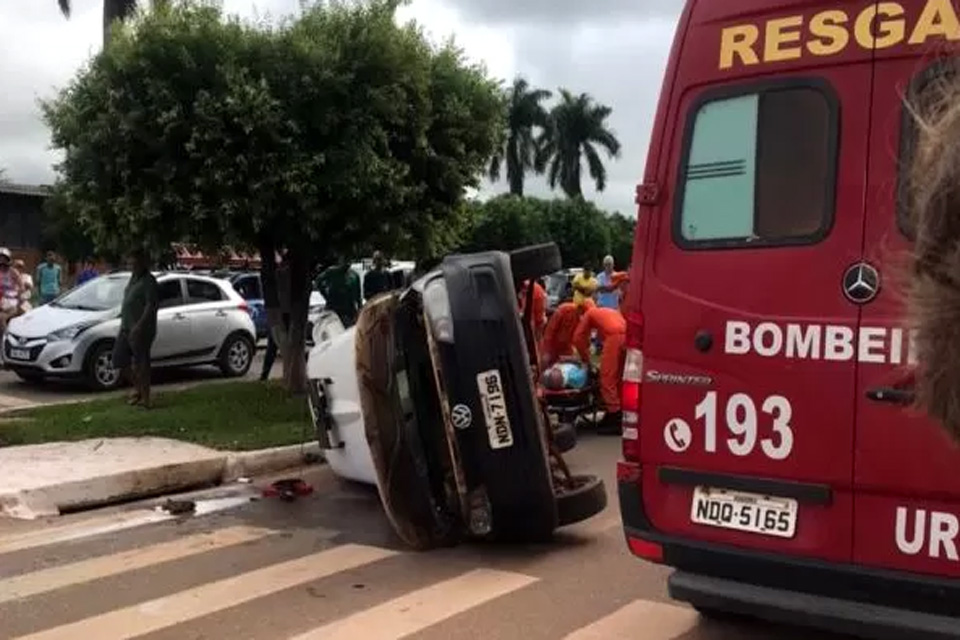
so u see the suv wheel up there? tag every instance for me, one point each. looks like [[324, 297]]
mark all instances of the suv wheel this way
[[100, 372], [236, 356], [585, 499]]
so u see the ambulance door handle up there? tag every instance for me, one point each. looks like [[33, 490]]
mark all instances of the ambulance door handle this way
[[891, 395], [703, 341]]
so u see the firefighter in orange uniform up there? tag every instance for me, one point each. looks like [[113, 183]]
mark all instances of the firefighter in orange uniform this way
[[557, 340], [611, 328], [538, 313]]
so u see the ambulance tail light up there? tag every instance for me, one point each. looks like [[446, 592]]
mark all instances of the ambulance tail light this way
[[631, 389]]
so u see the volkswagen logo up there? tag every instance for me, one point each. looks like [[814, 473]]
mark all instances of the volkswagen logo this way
[[461, 416], [861, 283]]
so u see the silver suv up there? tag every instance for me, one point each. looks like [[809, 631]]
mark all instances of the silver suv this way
[[201, 321]]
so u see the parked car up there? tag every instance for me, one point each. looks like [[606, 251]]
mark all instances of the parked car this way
[[559, 287], [771, 454], [451, 427], [201, 321], [249, 286]]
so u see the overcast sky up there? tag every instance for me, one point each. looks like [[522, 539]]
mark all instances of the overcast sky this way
[[614, 50]]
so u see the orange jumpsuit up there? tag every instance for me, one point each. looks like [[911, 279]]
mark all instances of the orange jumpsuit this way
[[558, 336], [539, 312], [611, 327]]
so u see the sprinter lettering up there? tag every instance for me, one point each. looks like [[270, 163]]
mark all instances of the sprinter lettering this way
[[934, 533], [839, 343], [878, 25]]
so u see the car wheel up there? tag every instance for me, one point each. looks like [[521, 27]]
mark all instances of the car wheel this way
[[564, 437], [535, 261], [236, 356], [29, 376], [101, 374], [585, 499]]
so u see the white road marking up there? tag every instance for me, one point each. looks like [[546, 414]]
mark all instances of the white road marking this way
[[109, 524], [30, 584], [420, 609], [640, 620], [147, 617]]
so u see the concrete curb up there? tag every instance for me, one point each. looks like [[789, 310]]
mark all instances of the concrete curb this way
[[254, 463], [148, 482]]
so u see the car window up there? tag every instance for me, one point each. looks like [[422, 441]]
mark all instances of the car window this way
[[200, 291], [249, 288], [758, 169], [169, 293], [99, 294]]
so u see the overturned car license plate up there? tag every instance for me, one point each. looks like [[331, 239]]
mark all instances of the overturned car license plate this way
[[495, 409], [741, 511]]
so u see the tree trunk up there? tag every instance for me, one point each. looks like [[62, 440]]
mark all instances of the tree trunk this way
[[291, 339]]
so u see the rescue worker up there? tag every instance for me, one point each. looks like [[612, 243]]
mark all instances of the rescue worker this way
[[557, 340], [538, 313], [611, 327]]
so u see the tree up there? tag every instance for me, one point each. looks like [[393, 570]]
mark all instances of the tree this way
[[113, 11], [331, 133], [525, 111], [577, 128]]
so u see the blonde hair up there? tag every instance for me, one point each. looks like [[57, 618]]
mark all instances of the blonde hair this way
[[932, 208]]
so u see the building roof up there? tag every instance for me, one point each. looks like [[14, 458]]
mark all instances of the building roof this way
[[25, 189]]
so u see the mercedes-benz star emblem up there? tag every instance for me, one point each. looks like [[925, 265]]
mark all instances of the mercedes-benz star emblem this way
[[461, 416], [861, 283]]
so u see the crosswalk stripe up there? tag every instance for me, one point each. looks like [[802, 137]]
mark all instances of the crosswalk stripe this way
[[417, 610], [44, 580], [115, 522], [161, 613], [640, 619]]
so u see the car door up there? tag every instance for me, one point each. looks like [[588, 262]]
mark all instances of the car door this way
[[206, 311], [906, 467], [173, 326], [747, 338]]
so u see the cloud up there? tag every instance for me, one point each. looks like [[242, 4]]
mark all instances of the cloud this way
[[615, 50]]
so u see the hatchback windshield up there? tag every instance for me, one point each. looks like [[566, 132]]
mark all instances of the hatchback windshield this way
[[100, 294]]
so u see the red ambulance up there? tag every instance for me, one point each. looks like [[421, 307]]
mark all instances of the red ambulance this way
[[769, 452]]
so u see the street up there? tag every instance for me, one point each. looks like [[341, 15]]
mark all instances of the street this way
[[15, 393], [328, 566]]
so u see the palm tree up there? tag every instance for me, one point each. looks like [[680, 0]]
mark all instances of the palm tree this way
[[112, 10], [577, 127], [524, 112]]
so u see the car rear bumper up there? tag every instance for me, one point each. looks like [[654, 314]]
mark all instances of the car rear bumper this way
[[838, 597]]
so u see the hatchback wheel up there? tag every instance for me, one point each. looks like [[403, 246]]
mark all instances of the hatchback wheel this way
[[236, 356], [101, 374]]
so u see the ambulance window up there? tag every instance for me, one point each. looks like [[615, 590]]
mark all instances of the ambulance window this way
[[759, 170]]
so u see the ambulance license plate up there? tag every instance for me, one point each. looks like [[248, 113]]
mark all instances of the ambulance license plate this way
[[754, 513], [494, 405]]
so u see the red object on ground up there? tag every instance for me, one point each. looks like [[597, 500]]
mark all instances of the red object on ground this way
[[288, 489]]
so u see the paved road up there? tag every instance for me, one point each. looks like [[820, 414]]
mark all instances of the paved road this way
[[15, 393], [327, 567]]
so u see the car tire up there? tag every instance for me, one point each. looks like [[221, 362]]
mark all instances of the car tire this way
[[535, 261], [26, 375], [100, 373], [585, 501], [236, 355], [564, 437]]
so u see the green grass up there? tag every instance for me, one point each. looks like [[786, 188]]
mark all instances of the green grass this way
[[235, 415]]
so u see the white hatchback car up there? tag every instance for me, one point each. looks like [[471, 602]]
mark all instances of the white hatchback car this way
[[201, 321]]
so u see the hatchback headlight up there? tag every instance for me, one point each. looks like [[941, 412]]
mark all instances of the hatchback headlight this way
[[436, 301], [69, 333]]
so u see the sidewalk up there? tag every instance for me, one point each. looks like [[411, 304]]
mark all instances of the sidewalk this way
[[48, 479]]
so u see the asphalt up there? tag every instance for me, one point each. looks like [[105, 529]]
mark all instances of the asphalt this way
[[328, 566], [15, 393]]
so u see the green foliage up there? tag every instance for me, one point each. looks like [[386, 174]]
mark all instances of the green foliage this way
[[62, 231], [525, 112], [583, 232], [577, 130], [325, 135]]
